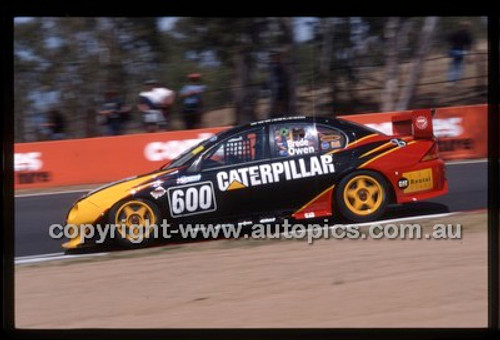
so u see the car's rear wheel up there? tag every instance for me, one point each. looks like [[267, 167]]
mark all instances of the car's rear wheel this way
[[362, 196], [135, 220]]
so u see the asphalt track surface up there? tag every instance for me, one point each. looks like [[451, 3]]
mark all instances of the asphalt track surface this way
[[468, 186]]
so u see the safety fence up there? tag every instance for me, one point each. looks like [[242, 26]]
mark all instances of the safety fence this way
[[461, 133]]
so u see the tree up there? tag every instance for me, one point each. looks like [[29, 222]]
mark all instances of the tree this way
[[237, 43], [328, 29], [396, 38], [291, 62], [233, 47], [424, 45], [78, 58], [28, 60]]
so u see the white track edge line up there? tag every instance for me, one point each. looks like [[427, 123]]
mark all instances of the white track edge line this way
[[470, 161], [38, 256], [367, 224], [47, 257], [52, 193]]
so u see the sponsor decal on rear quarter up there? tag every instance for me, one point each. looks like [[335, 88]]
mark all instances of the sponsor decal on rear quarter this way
[[419, 180]]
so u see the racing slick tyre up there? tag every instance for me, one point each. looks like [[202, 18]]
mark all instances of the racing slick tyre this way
[[134, 219], [362, 196]]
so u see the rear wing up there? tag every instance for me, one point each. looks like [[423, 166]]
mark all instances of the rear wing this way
[[417, 123]]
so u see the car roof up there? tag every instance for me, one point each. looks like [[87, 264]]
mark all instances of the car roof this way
[[334, 122]]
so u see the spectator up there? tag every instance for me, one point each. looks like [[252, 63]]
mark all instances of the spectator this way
[[192, 101], [460, 43], [55, 125], [114, 112], [155, 103], [164, 100], [40, 120], [279, 85]]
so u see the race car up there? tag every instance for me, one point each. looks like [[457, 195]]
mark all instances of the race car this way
[[296, 167]]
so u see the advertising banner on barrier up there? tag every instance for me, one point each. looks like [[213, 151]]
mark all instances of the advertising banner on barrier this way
[[99, 160], [461, 132]]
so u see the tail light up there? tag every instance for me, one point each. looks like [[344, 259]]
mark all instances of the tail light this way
[[432, 154]]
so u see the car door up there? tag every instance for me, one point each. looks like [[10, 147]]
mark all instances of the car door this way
[[293, 144], [234, 167], [309, 150]]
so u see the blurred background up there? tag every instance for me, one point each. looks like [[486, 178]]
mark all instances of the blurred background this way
[[88, 77]]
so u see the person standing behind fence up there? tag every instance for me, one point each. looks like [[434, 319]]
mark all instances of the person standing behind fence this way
[[460, 43], [154, 104], [164, 99], [114, 113], [151, 114], [56, 125], [192, 101]]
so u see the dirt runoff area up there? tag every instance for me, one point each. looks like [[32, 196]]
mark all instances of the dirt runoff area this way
[[267, 283]]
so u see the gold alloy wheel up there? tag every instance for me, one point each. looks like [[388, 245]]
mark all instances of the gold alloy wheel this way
[[134, 213], [363, 195]]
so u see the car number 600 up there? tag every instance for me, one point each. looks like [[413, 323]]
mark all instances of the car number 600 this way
[[191, 199]]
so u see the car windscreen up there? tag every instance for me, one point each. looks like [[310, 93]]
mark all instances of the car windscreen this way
[[189, 154]]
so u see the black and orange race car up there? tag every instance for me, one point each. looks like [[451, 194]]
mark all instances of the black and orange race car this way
[[297, 168]]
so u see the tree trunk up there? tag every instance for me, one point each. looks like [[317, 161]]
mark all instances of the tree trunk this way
[[424, 45], [290, 64], [244, 98], [391, 65], [325, 60]]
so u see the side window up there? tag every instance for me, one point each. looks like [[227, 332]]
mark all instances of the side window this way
[[244, 147], [293, 140], [330, 139]]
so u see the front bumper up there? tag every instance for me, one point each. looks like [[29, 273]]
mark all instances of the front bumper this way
[[82, 213], [75, 243]]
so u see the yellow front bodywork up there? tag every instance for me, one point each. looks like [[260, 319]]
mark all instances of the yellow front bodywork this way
[[91, 208]]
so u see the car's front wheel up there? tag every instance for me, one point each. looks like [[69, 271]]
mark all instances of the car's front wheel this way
[[135, 220], [362, 196]]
